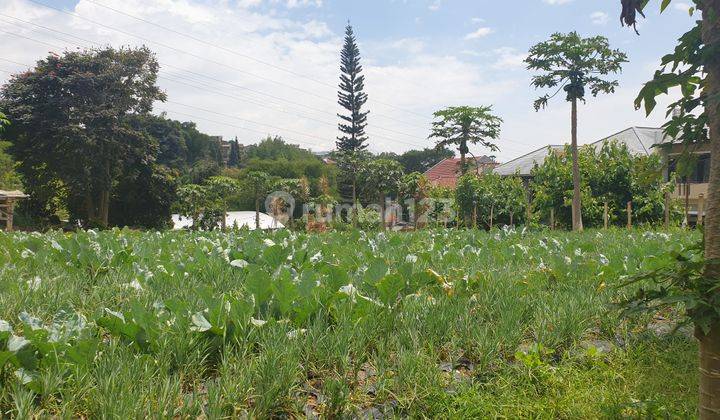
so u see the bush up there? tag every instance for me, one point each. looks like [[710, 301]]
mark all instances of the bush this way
[[611, 174], [499, 200]]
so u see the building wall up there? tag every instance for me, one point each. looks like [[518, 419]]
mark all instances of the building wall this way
[[694, 188]]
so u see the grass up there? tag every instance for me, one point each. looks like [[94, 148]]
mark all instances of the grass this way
[[436, 324]]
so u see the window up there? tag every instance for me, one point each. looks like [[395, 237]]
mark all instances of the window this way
[[700, 172]]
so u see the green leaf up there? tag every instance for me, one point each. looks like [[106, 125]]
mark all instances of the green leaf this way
[[259, 284], [664, 5], [375, 271], [389, 288]]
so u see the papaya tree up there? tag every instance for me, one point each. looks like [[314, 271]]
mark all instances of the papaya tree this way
[[222, 188], [464, 125], [575, 65], [257, 182], [694, 67]]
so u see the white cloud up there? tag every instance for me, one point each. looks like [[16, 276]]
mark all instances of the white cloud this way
[[480, 33], [244, 93], [557, 2], [298, 3], [509, 59], [477, 20], [435, 5], [599, 18], [682, 6]]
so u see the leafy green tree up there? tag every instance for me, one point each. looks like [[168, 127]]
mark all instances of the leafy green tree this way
[[694, 67], [464, 125], [351, 165], [223, 188], [257, 183], [381, 178], [611, 174], [234, 157], [198, 203], [352, 97], [574, 64], [414, 186], [84, 140], [491, 198], [144, 197], [9, 180], [422, 160]]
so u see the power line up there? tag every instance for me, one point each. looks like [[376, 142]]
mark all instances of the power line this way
[[192, 54], [60, 47], [289, 130], [215, 79], [249, 57]]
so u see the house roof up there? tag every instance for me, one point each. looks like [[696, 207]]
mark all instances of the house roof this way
[[446, 172], [523, 165], [12, 194], [639, 141]]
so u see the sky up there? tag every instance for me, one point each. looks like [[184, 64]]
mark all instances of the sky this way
[[252, 68]]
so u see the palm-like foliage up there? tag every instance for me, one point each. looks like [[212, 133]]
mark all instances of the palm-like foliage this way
[[576, 65], [463, 125]]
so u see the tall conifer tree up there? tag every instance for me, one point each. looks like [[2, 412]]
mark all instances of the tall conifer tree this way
[[234, 157], [351, 97]]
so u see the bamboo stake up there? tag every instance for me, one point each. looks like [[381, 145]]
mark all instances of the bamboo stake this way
[[552, 219], [629, 214], [700, 209], [605, 215], [667, 210]]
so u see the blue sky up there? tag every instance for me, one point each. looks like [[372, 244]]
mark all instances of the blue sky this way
[[419, 55]]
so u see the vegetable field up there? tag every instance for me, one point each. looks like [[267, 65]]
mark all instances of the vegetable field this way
[[124, 324]]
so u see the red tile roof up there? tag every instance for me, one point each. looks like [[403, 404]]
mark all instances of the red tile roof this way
[[446, 172]]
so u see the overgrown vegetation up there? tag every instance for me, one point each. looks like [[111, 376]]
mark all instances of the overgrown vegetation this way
[[611, 175], [435, 323]]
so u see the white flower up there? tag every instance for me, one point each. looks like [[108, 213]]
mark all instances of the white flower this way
[[568, 261], [604, 260], [257, 322], [316, 257], [133, 285], [56, 245], [296, 333], [34, 283], [239, 263], [411, 258], [26, 253], [349, 290], [268, 242]]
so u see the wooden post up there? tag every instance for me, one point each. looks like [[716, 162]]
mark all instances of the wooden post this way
[[700, 209], [9, 216], [475, 216], [552, 219], [629, 214], [492, 211], [605, 215], [667, 210]]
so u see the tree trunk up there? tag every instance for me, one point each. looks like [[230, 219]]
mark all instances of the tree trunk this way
[[353, 214], [492, 211], [383, 211], [710, 343], [576, 205], [257, 212], [89, 208], [104, 204]]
